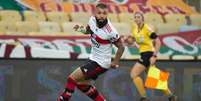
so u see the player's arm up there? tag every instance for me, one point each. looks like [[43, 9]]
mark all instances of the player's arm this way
[[83, 30], [119, 53]]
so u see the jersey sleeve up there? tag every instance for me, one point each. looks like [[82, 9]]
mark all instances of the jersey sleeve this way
[[92, 24], [150, 29], [151, 32]]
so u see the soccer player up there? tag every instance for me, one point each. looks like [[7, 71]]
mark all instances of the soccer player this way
[[103, 36], [144, 37]]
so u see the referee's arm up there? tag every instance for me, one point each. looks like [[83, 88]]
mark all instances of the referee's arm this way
[[156, 42]]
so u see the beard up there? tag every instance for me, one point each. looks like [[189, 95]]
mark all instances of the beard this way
[[101, 22]]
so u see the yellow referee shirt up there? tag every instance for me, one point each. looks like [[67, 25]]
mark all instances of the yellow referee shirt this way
[[142, 38]]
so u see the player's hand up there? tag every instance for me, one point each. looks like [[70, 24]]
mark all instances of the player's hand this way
[[128, 40], [76, 27], [114, 64], [152, 60]]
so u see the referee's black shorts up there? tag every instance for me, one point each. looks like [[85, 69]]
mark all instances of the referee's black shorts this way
[[145, 58], [92, 70]]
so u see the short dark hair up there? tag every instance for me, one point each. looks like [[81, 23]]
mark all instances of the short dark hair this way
[[102, 6]]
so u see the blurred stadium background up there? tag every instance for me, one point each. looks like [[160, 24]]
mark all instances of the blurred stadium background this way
[[38, 47]]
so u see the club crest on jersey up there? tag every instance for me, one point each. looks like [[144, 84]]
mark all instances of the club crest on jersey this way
[[93, 40]]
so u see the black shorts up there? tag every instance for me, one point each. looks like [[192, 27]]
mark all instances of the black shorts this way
[[145, 58], [92, 70]]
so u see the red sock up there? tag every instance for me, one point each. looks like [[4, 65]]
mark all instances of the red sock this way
[[91, 92], [69, 89]]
